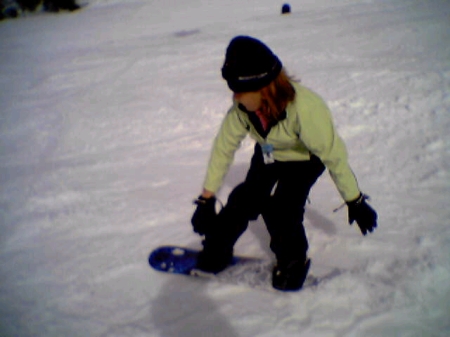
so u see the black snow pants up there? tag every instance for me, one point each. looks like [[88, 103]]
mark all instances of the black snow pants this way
[[278, 192]]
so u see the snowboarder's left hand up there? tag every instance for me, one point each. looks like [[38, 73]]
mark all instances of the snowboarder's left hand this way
[[364, 215]]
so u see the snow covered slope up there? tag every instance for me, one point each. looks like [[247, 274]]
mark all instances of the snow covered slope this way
[[107, 118]]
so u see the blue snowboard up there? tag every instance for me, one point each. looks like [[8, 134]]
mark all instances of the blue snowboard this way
[[180, 260], [252, 272]]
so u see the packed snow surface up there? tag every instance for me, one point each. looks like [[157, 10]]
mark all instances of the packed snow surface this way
[[107, 119]]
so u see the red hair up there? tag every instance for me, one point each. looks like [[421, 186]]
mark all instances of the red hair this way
[[277, 95]]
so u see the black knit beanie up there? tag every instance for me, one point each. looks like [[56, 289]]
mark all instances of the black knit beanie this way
[[249, 64]]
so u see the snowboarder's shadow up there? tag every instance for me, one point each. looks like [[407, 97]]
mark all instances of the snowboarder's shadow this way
[[182, 309]]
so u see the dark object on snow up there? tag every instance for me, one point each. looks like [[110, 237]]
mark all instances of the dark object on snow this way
[[10, 10], [14, 8], [286, 9], [28, 5], [56, 5], [47, 5]]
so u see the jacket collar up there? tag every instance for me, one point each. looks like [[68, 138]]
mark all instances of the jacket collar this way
[[242, 107], [254, 119]]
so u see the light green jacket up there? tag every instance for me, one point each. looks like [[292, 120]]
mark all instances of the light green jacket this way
[[307, 129]]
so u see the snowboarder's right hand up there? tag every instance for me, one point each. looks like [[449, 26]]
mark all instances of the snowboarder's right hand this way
[[205, 214]]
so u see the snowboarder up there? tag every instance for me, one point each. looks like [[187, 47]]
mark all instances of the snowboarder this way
[[295, 141]]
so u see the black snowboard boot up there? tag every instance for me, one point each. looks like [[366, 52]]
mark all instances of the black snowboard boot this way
[[214, 261], [290, 276]]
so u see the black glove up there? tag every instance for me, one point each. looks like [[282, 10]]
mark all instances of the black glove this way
[[205, 214], [364, 215]]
